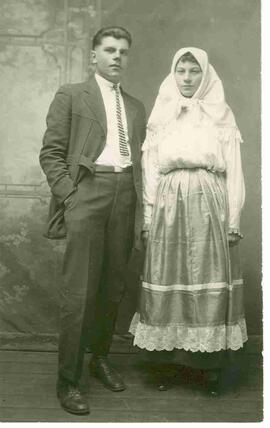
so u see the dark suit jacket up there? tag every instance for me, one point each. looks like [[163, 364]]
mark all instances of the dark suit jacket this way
[[74, 139]]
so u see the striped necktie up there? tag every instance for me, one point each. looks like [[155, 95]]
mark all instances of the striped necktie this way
[[121, 133]]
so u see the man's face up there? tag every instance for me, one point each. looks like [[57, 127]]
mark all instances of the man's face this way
[[188, 76], [111, 58]]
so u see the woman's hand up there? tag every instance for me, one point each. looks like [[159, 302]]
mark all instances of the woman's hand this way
[[145, 235], [233, 239]]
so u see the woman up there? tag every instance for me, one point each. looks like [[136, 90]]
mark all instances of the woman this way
[[192, 290]]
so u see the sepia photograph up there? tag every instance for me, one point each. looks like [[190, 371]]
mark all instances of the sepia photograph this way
[[131, 211]]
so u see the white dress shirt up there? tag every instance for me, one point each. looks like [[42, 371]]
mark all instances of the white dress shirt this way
[[111, 154]]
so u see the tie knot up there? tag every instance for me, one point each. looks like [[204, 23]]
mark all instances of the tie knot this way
[[115, 87]]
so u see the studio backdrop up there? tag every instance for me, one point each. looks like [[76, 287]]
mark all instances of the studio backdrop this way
[[46, 43]]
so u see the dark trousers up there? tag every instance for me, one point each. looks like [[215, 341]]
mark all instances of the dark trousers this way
[[100, 225]]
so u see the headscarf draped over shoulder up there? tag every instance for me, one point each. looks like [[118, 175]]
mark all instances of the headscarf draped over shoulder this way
[[209, 101]]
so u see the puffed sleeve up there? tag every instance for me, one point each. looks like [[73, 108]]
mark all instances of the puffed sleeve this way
[[151, 177], [234, 179]]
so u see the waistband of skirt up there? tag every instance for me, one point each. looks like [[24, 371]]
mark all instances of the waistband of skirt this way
[[195, 169]]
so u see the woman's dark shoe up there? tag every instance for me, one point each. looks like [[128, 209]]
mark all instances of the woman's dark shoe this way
[[71, 398], [163, 384], [101, 368], [213, 383], [163, 378]]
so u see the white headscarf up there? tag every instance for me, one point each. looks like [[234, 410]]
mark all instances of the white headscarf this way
[[209, 100]]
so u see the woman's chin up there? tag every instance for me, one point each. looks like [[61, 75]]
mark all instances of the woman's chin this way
[[186, 94]]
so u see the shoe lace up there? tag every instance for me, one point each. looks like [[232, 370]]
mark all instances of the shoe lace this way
[[74, 392]]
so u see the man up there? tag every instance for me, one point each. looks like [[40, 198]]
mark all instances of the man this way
[[91, 156]]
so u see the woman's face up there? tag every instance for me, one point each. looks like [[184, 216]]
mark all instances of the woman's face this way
[[188, 76]]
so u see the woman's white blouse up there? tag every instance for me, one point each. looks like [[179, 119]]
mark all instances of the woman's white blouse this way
[[187, 145]]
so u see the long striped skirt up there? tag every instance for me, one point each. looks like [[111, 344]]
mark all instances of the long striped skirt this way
[[192, 290]]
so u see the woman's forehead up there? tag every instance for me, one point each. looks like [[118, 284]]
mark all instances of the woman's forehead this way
[[199, 56], [187, 64]]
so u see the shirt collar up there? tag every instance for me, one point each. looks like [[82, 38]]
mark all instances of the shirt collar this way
[[104, 83]]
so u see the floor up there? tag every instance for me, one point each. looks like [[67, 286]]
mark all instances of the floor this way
[[27, 393]]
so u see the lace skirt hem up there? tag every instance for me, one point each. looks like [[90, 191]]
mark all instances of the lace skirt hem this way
[[194, 339]]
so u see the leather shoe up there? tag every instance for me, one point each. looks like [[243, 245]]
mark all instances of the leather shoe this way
[[71, 398], [213, 383], [162, 378], [101, 368], [163, 382]]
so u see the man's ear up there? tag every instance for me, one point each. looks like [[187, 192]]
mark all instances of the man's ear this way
[[93, 55]]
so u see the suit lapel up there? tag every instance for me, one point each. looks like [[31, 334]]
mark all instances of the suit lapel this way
[[94, 101], [131, 112]]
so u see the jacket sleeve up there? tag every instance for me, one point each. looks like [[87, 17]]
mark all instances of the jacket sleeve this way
[[143, 124], [55, 145]]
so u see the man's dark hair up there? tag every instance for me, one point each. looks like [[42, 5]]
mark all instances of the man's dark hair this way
[[116, 32], [189, 57]]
